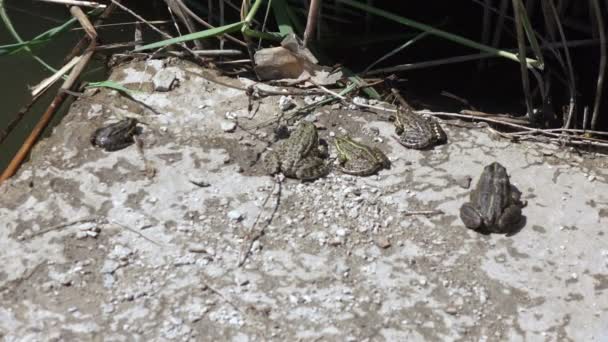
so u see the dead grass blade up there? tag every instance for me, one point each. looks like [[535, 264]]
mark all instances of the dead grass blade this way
[[596, 10]]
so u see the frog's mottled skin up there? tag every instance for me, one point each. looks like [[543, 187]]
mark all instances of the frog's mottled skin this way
[[495, 206], [115, 136], [359, 159], [298, 156], [416, 131]]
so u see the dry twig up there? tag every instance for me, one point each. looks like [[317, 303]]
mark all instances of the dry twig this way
[[252, 236]]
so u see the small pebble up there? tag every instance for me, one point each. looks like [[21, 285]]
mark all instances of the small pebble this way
[[336, 241], [228, 126], [383, 242], [286, 103], [451, 310], [235, 215], [197, 248], [464, 182], [164, 80]]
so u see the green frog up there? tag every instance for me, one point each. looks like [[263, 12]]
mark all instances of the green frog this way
[[115, 136], [495, 204], [416, 131], [298, 156], [359, 159]]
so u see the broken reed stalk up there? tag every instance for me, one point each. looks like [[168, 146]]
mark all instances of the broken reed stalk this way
[[521, 44], [311, 21], [602, 69], [92, 4], [31, 139], [552, 16], [59, 98], [207, 25], [175, 7], [85, 38]]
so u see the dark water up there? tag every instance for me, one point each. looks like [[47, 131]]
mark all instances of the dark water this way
[[19, 72]]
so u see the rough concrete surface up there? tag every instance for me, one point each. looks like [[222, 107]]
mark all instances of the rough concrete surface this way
[[96, 246]]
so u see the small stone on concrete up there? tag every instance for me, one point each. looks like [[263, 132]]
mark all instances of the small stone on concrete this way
[[451, 310], [383, 242], [163, 80], [286, 103], [235, 215], [464, 182], [228, 126]]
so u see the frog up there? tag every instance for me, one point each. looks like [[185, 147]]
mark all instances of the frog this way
[[495, 204], [115, 136], [416, 131], [298, 156], [359, 159]]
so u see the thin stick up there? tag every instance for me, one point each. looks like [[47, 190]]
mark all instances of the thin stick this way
[[134, 231], [224, 298], [13, 166], [251, 238], [99, 220], [422, 212], [206, 24], [465, 58], [49, 81], [519, 12], [345, 100], [85, 38], [549, 132], [59, 227], [77, 3], [585, 118], [396, 50]]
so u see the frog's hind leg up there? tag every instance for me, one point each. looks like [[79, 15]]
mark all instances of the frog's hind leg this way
[[271, 163], [471, 217], [311, 168], [510, 219]]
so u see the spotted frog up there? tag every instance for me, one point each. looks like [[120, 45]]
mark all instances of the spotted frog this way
[[298, 156], [416, 131], [359, 159]]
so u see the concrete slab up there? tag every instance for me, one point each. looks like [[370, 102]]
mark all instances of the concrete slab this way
[[95, 246]]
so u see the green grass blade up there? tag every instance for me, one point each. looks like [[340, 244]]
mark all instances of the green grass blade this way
[[279, 9], [47, 35], [196, 35], [14, 48], [253, 10], [9, 26], [273, 36], [529, 30], [440, 33], [111, 85]]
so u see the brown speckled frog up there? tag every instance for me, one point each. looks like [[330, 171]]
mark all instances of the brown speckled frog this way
[[495, 205]]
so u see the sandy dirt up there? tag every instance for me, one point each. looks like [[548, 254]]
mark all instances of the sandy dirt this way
[[120, 246]]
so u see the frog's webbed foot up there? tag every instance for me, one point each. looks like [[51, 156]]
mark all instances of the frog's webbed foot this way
[[271, 163], [470, 216], [439, 134], [509, 219], [311, 168]]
